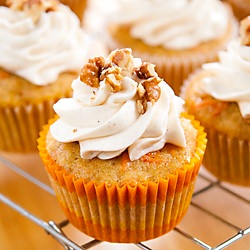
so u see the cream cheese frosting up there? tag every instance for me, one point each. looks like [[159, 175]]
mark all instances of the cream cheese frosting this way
[[107, 122], [177, 25], [229, 78], [40, 51]]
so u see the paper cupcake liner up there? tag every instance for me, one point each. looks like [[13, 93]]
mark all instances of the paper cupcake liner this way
[[228, 158], [20, 125], [77, 6], [127, 213]]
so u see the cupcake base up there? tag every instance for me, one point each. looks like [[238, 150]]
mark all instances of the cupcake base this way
[[20, 126], [124, 214], [128, 212], [228, 158]]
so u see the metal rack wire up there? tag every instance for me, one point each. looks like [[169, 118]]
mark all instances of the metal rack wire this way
[[56, 230]]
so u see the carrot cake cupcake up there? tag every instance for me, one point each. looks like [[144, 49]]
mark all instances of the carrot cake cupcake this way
[[121, 156], [219, 96], [177, 36], [42, 50]]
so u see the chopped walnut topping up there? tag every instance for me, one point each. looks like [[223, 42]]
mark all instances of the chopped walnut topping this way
[[245, 31], [123, 58], [90, 73], [121, 64], [146, 70], [153, 90], [113, 78], [148, 90], [141, 105], [141, 90], [33, 8]]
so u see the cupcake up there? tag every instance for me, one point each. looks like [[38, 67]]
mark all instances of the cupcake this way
[[177, 36], [42, 50], [241, 8], [219, 96], [121, 155], [77, 6]]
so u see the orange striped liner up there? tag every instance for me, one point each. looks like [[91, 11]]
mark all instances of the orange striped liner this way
[[127, 213]]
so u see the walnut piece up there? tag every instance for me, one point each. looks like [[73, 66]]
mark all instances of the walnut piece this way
[[148, 90], [123, 59], [141, 105], [33, 8], [91, 71], [119, 65], [153, 90], [245, 31], [113, 78], [146, 70]]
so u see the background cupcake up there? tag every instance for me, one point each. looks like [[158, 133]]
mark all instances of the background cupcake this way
[[219, 96], [121, 158], [177, 36], [38, 62]]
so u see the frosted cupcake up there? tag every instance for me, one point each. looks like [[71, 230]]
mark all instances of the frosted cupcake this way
[[219, 96], [42, 50], [177, 36], [120, 155]]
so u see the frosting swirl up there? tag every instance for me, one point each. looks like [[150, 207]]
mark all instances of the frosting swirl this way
[[175, 25], [229, 78], [107, 122], [40, 51]]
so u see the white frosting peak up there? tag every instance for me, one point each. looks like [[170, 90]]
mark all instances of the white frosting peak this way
[[230, 77], [180, 24], [106, 123], [40, 51]]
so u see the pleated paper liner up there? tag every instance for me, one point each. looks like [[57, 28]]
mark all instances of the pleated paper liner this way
[[127, 213], [228, 158], [20, 125]]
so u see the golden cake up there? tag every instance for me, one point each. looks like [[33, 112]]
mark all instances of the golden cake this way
[[218, 96], [120, 154], [176, 36], [35, 73]]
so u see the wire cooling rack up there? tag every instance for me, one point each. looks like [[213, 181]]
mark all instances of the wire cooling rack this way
[[209, 184]]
